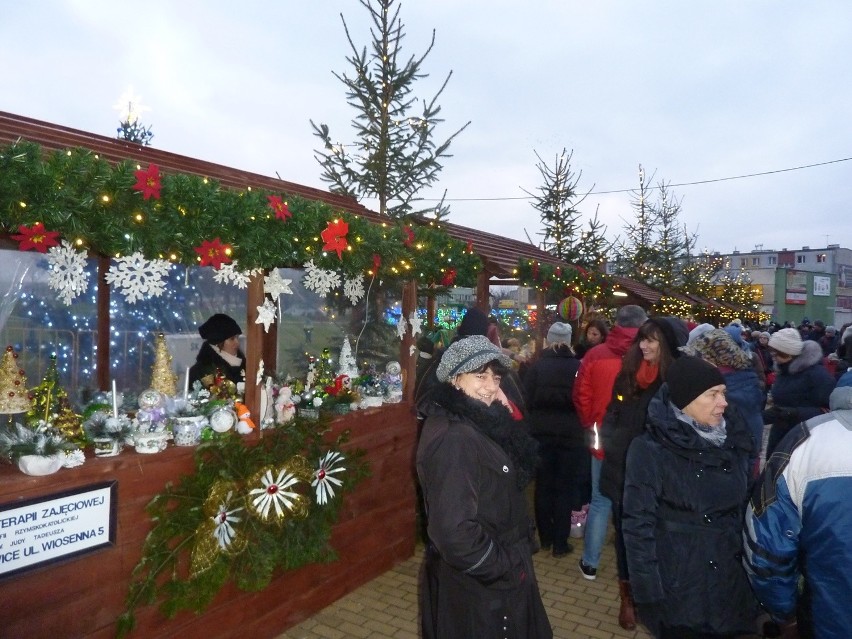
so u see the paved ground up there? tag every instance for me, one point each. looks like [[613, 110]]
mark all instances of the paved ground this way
[[386, 608]]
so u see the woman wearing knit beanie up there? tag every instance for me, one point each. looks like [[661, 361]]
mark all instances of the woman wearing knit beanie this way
[[685, 490], [802, 384], [220, 354], [642, 372]]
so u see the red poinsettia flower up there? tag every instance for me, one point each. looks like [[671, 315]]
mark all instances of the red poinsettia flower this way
[[558, 272], [408, 240], [377, 262], [334, 237], [280, 207], [214, 253], [148, 182], [469, 247], [36, 238], [449, 277]]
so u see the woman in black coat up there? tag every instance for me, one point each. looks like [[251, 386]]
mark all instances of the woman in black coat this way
[[643, 368], [474, 461], [220, 354], [562, 480], [685, 491]]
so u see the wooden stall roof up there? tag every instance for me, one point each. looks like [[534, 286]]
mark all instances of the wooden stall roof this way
[[500, 255]]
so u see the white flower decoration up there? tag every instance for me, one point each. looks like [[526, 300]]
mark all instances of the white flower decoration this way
[[223, 520], [274, 494], [323, 481]]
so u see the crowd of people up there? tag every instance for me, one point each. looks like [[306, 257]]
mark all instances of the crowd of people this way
[[658, 423]]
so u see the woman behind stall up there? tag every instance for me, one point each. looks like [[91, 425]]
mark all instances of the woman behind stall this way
[[220, 353], [562, 480], [595, 333], [474, 461], [685, 491], [643, 368]]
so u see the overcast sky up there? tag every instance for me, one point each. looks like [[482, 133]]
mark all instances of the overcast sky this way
[[693, 91]]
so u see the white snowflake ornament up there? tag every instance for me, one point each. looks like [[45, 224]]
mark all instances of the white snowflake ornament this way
[[274, 285], [353, 289], [230, 274], [320, 280], [400, 327], [67, 271], [138, 278], [266, 314]]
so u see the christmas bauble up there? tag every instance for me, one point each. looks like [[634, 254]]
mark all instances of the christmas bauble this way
[[150, 399], [393, 368], [571, 309], [223, 419]]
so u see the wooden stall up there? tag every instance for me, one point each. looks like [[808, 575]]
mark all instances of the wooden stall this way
[[82, 597]]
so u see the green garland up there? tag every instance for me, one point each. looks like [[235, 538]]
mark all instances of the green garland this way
[[92, 203], [183, 566], [561, 281]]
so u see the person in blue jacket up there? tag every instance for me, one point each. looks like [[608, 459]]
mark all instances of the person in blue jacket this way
[[798, 525]]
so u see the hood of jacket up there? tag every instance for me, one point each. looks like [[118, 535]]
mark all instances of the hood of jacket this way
[[681, 438], [811, 354], [619, 339]]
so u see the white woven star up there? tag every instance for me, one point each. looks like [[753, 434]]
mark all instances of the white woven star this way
[[259, 379], [266, 314], [400, 327], [274, 285]]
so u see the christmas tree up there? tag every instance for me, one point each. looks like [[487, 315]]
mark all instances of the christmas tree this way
[[49, 403], [13, 385], [346, 364], [163, 378]]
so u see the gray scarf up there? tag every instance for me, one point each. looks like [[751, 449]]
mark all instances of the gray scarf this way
[[716, 435]]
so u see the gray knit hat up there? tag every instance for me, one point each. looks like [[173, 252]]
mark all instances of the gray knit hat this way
[[559, 333], [469, 354]]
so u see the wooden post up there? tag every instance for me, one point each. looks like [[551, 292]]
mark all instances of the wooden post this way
[[255, 337], [540, 302], [483, 297], [102, 363], [406, 359]]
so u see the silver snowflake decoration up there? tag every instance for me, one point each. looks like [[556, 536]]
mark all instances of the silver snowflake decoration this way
[[319, 280], [67, 271], [138, 278], [400, 327], [354, 289], [230, 274], [274, 285], [266, 313], [415, 322]]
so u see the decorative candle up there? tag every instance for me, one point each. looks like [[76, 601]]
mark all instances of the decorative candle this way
[[186, 385], [114, 401]]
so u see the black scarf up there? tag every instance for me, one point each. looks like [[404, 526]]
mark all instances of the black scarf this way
[[496, 423]]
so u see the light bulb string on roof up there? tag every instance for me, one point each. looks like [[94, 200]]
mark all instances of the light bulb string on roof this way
[[648, 188]]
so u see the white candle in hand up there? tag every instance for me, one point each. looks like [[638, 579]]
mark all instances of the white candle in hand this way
[[114, 401]]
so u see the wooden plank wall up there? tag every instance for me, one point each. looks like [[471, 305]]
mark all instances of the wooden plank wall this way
[[83, 597]]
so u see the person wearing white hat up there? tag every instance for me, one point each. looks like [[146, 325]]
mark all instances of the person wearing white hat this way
[[802, 384]]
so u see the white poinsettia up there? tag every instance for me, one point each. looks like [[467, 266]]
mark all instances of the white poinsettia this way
[[223, 521], [323, 480], [274, 494]]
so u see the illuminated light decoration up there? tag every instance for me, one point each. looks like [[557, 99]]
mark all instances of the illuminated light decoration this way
[[36, 238], [148, 182]]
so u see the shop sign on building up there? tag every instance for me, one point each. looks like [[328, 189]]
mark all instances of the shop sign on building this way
[[797, 287], [822, 285]]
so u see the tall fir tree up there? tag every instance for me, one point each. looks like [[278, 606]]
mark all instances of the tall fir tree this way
[[395, 155], [635, 254], [556, 202], [593, 249]]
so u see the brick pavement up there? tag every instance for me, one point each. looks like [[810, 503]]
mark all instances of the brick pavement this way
[[386, 608]]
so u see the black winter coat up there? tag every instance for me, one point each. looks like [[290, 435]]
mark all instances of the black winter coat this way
[[208, 361], [624, 421], [478, 577], [684, 501], [548, 385]]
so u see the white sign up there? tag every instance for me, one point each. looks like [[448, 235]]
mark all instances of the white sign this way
[[822, 285], [49, 528]]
